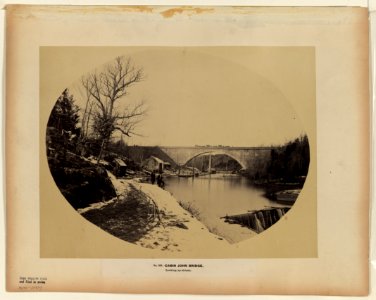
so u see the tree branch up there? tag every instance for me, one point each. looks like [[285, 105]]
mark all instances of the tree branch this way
[[105, 88]]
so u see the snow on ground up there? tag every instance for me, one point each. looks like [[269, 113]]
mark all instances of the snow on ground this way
[[97, 205], [178, 231], [121, 185], [121, 188]]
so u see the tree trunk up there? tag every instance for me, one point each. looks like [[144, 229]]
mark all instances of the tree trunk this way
[[101, 151]]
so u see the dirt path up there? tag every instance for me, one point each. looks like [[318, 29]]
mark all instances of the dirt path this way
[[149, 216], [129, 217], [177, 230]]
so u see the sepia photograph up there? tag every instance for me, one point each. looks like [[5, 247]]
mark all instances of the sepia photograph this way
[[187, 150], [170, 146]]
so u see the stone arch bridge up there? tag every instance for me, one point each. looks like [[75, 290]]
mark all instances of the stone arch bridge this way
[[247, 157]]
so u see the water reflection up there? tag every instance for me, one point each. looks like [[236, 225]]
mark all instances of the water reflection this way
[[217, 196]]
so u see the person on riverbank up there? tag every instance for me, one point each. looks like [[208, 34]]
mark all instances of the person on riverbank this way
[[152, 177], [160, 181]]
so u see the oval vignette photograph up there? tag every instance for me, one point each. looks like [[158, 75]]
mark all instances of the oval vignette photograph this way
[[170, 148]]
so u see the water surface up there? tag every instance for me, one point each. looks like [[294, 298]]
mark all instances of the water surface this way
[[217, 196]]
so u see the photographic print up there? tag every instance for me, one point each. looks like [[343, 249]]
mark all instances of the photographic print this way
[[188, 150], [167, 147]]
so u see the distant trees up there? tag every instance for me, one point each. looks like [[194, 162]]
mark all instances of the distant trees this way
[[291, 160], [120, 146], [286, 163], [64, 115], [104, 89], [62, 126]]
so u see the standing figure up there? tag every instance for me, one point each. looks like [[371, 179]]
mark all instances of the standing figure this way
[[160, 181], [152, 177]]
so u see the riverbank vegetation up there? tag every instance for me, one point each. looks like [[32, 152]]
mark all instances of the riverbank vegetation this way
[[287, 163], [80, 181], [283, 174], [77, 139]]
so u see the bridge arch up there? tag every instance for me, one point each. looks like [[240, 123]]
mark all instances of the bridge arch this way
[[247, 157], [216, 152]]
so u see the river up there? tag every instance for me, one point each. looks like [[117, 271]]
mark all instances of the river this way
[[217, 196]]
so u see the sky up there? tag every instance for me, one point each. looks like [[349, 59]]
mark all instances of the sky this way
[[205, 96]]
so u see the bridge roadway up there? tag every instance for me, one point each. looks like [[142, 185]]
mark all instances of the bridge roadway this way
[[246, 156]]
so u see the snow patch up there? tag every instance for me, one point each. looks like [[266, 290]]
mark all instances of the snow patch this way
[[178, 231]]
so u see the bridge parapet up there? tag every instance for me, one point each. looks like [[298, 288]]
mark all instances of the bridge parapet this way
[[246, 156]]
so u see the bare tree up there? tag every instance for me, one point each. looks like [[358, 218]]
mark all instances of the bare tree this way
[[88, 106], [105, 88]]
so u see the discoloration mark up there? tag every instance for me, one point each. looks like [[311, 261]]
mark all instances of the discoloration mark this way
[[142, 9], [35, 9], [21, 10], [188, 10], [108, 9]]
